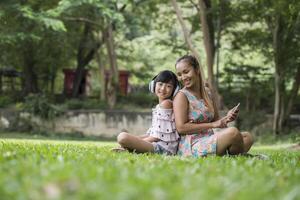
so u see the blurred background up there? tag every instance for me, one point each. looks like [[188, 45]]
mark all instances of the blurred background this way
[[58, 56]]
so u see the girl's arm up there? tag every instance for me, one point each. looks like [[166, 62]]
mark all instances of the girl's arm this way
[[183, 126], [166, 104]]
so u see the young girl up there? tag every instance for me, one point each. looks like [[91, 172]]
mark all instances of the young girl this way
[[162, 136]]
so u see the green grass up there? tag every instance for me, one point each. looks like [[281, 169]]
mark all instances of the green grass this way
[[53, 169]]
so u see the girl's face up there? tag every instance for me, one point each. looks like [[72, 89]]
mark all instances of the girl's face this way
[[164, 90], [187, 74]]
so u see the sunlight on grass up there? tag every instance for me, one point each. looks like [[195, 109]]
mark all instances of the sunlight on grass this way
[[54, 169], [49, 141], [274, 147]]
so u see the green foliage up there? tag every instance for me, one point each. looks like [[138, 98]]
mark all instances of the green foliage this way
[[148, 39], [5, 101], [43, 169], [29, 36], [54, 24], [249, 120], [242, 81], [40, 105], [92, 9], [268, 138], [259, 34]]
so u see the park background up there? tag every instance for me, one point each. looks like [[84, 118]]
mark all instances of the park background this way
[[62, 58]]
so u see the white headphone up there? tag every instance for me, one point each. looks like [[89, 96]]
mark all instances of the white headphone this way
[[152, 86]]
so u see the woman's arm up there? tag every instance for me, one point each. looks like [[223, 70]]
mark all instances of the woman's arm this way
[[183, 126]]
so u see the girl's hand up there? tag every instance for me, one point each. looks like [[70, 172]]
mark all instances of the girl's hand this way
[[221, 123]]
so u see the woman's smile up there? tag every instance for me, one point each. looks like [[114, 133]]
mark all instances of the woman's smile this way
[[185, 73], [186, 82]]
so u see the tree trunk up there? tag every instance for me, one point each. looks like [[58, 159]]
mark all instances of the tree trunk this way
[[279, 81], [80, 61], [282, 110], [218, 40], [112, 84], [84, 56], [208, 38], [0, 83], [206, 20], [187, 35], [278, 109], [292, 97], [247, 102], [102, 75], [52, 84], [53, 73], [29, 78]]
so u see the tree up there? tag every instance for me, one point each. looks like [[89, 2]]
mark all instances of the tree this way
[[277, 37], [187, 35], [207, 15], [24, 27], [91, 17], [284, 24]]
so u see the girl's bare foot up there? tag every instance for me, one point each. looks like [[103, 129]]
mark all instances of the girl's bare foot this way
[[119, 149]]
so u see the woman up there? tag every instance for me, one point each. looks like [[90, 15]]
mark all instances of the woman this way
[[196, 115]]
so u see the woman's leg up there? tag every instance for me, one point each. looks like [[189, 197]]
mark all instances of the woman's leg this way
[[134, 143], [230, 139], [248, 141]]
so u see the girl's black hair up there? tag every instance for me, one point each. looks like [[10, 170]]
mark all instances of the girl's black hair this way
[[165, 77]]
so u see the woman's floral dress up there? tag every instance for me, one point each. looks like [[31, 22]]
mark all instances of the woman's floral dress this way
[[198, 144]]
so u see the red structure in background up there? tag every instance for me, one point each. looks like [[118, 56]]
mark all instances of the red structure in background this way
[[123, 81], [70, 75], [69, 80]]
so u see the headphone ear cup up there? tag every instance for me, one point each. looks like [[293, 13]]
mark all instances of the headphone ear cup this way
[[151, 86]]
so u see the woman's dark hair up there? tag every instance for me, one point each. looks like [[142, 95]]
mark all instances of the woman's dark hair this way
[[167, 76], [191, 60]]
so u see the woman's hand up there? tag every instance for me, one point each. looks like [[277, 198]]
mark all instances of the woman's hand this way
[[221, 123], [232, 114]]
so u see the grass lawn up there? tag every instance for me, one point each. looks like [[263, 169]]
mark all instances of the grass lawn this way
[[64, 169]]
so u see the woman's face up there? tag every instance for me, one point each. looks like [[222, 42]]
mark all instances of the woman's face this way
[[187, 74]]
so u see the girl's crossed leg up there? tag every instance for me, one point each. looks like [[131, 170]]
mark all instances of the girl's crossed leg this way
[[134, 143]]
